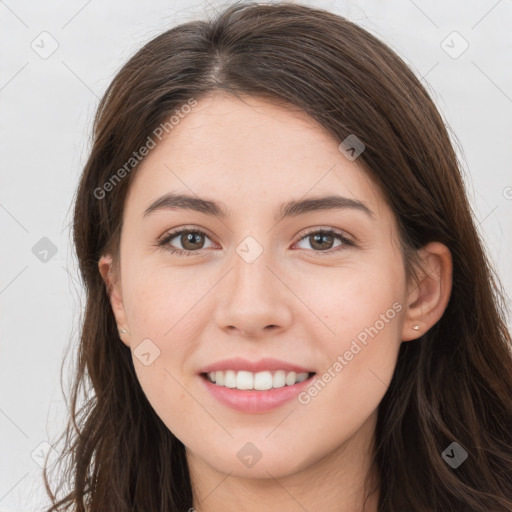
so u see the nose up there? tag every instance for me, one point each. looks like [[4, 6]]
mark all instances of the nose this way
[[254, 301]]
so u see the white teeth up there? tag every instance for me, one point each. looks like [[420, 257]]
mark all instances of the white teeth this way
[[291, 378], [230, 379], [244, 380], [279, 379], [260, 381]]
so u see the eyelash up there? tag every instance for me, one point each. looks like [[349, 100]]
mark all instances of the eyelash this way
[[163, 243]]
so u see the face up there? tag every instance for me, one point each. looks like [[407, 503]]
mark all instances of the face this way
[[259, 288]]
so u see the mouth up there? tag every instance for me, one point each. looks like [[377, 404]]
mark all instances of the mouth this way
[[259, 392]]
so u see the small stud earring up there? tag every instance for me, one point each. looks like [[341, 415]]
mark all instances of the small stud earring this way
[[122, 331], [416, 327]]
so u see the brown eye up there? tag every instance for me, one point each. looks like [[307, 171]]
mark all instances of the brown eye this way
[[321, 241], [324, 240], [191, 240]]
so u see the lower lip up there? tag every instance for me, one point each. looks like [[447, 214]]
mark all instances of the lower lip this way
[[254, 401]]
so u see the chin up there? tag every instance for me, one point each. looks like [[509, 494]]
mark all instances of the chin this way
[[256, 460]]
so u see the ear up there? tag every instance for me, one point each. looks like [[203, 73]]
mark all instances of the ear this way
[[113, 284], [429, 294]]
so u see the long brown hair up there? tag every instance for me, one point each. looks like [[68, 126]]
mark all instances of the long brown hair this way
[[452, 385]]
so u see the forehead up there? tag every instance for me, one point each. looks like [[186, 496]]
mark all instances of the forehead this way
[[247, 151]]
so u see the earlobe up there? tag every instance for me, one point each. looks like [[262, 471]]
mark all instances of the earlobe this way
[[430, 293]]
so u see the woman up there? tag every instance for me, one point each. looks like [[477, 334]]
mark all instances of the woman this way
[[288, 304]]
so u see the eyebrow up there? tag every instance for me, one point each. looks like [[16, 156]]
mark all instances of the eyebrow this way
[[173, 201]]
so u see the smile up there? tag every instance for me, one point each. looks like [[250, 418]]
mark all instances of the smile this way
[[260, 381], [254, 399]]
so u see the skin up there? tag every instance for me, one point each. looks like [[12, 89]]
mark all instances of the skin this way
[[252, 156]]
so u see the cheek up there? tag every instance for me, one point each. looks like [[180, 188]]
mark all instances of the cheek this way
[[360, 360], [163, 309], [171, 400], [363, 311], [355, 302], [159, 302], [160, 309]]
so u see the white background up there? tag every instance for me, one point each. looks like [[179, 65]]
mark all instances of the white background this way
[[47, 106]]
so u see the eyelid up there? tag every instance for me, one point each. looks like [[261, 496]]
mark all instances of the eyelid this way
[[178, 230], [336, 231]]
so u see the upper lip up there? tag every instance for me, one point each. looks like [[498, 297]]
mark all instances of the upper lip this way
[[238, 363]]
